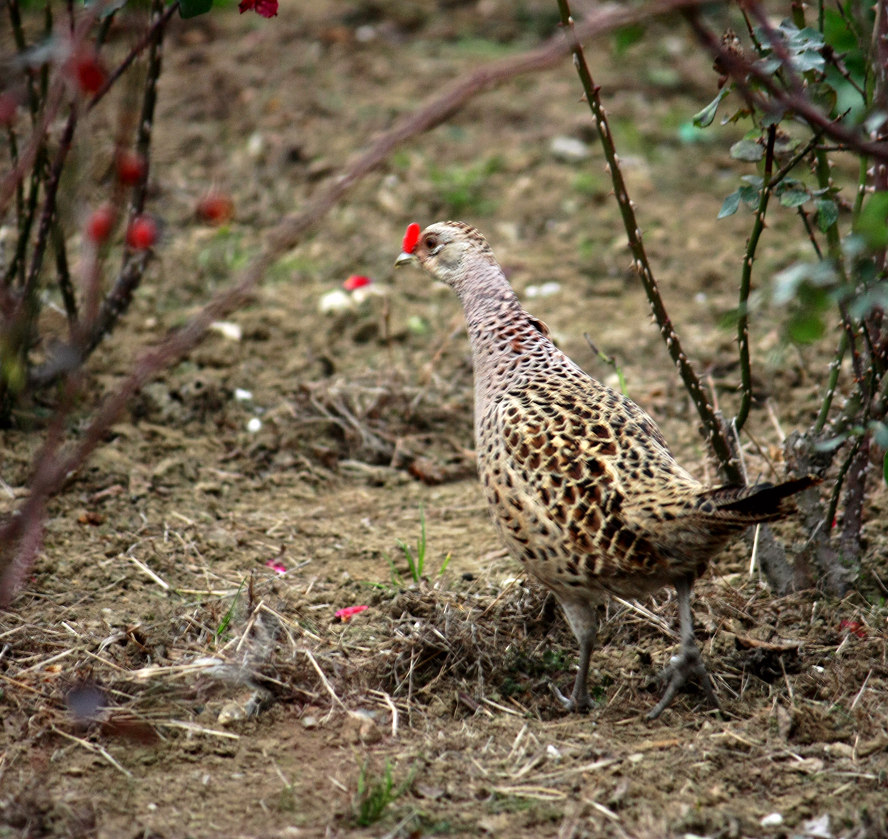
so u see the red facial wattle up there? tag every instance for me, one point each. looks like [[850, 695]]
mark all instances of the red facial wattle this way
[[411, 237]]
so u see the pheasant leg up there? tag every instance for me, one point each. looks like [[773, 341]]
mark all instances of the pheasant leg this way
[[688, 662], [583, 620]]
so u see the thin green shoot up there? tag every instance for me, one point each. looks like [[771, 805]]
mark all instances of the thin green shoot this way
[[610, 360], [223, 624], [415, 561], [373, 796]]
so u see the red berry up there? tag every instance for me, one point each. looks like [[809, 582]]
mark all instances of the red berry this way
[[215, 208], [130, 167], [411, 237], [90, 73], [142, 233], [100, 224]]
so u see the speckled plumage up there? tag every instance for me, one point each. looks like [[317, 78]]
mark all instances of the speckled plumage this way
[[579, 480]]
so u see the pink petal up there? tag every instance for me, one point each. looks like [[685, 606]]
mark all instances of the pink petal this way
[[277, 565], [356, 281], [349, 612], [267, 8]]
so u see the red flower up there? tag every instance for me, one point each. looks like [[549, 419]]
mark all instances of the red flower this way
[[356, 281], [276, 565], [266, 8], [349, 612]]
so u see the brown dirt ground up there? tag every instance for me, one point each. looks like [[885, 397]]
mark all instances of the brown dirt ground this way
[[151, 628]]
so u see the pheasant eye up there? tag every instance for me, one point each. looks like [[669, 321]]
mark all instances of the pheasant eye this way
[[430, 242]]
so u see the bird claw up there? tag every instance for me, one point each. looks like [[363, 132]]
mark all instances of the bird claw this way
[[572, 703], [688, 663]]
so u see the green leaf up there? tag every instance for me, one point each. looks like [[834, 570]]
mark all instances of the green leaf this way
[[705, 117], [806, 328], [873, 221], [827, 214], [626, 36], [748, 150], [880, 434], [795, 196], [729, 320], [193, 8], [832, 444], [750, 195], [730, 205], [824, 95]]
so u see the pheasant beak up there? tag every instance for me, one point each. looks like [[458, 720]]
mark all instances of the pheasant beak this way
[[405, 259]]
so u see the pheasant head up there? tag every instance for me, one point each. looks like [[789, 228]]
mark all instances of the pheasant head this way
[[447, 250]]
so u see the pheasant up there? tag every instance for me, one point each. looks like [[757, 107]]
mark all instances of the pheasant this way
[[579, 480]]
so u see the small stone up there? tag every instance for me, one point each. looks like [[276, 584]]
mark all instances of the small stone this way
[[227, 329], [231, 713], [369, 733], [569, 149], [771, 820]]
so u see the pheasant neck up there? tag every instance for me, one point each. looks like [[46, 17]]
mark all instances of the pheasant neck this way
[[505, 340]]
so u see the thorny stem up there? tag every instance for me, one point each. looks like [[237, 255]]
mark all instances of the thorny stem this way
[[52, 102], [715, 433], [149, 37], [810, 231], [118, 299], [50, 190], [746, 283], [835, 367], [64, 277], [834, 247], [840, 480]]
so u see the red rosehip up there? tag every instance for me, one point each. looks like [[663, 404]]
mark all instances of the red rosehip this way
[[130, 167], [215, 208], [142, 233], [89, 72], [100, 224]]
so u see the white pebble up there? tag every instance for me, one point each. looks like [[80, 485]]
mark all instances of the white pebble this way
[[255, 144], [544, 290], [771, 820], [334, 302], [569, 149], [254, 425], [227, 329], [242, 395]]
